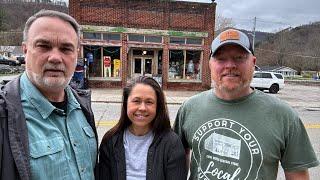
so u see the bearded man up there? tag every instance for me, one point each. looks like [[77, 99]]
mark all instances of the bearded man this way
[[47, 128], [236, 132]]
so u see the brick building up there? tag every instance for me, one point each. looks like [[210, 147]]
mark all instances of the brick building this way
[[168, 40]]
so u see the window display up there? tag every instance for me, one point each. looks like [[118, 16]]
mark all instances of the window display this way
[[193, 66], [176, 61], [117, 65], [103, 61], [93, 55], [184, 64], [107, 66], [115, 62]]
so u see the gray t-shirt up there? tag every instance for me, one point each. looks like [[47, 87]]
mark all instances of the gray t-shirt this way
[[136, 151]]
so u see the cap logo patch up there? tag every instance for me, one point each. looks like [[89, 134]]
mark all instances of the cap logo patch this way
[[229, 35]]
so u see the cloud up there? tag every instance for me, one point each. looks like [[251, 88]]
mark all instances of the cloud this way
[[272, 15]]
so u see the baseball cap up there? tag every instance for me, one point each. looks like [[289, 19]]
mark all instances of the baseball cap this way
[[231, 36]]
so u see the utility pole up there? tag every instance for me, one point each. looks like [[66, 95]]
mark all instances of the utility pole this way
[[254, 32]]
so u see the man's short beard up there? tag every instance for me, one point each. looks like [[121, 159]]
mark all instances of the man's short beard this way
[[44, 82], [236, 90]]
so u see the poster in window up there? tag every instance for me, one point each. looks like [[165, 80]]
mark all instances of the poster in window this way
[[107, 66], [117, 65]]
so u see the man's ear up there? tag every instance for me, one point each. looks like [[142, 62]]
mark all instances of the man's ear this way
[[24, 47], [254, 60]]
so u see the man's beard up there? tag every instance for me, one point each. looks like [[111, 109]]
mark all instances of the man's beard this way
[[241, 85], [49, 82]]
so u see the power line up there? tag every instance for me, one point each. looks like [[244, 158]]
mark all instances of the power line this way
[[261, 20], [297, 55], [272, 22]]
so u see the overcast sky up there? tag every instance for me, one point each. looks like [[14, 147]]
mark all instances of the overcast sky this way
[[272, 15]]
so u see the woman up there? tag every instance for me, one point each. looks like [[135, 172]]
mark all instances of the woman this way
[[142, 144]]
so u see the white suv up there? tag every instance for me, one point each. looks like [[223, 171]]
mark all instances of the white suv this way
[[271, 81]]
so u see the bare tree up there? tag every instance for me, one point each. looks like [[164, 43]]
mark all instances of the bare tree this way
[[223, 23]]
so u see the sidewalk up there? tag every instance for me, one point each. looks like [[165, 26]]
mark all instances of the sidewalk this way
[[107, 95], [115, 95]]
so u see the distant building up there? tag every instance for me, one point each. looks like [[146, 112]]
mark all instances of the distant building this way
[[11, 51], [286, 71], [168, 40]]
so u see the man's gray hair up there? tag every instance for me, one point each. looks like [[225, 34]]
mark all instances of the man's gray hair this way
[[51, 13]]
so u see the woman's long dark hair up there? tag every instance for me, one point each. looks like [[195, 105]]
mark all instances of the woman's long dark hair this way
[[161, 121]]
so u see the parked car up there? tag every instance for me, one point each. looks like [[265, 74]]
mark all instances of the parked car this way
[[271, 81], [21, 59], [11, 62]]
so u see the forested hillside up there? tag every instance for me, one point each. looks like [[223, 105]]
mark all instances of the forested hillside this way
[[13, 15], [298, 48]]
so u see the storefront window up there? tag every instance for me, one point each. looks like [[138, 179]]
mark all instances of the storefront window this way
[[184, 64], [93, 55], [103, 61], [193, 65], [176, 64], [111, 62]]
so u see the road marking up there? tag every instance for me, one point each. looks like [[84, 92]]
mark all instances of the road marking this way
[[111, 123], [312, 126]]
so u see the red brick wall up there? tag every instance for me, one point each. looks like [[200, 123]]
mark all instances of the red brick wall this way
[[104, 84], [124, 59], [153, 14], [150, 14], [165, 63]]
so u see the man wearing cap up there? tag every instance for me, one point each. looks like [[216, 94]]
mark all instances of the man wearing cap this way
[[236, 132]]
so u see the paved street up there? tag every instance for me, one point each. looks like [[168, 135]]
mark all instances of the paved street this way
[[304, 99]]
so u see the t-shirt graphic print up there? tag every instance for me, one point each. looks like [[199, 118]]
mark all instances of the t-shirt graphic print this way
[[226, 150]]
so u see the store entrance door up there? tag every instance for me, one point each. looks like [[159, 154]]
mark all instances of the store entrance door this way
[[142, 66]]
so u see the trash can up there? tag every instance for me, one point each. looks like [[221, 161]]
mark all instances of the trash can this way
[[78, 78]]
